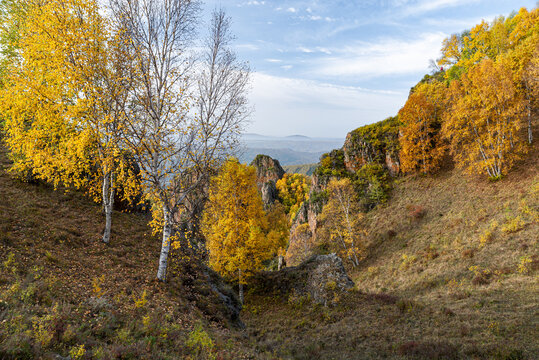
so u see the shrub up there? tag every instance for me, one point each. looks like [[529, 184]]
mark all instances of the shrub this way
[[407, 260], [373, 185], [513, 225], [97, 284], [416, 212], [200, 343], [481, 277], [140, 302], [525, 265], [77, 352]]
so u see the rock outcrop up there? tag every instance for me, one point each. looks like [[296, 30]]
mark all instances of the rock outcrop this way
[[320, 278], [302, 241], [268, 172], [376, 143]]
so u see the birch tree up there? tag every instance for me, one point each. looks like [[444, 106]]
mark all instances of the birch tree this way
[[176, 149], [63, 115], [341, 220], [483, 125]]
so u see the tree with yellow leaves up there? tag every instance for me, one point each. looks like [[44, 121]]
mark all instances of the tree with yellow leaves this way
[[341, 221], [483, 125], [293, 191], [420, 145], [64, 99], [233, 224]]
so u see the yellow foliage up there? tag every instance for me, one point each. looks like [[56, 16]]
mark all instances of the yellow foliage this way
[[484, 122], [420, 143], [524, 267], [77, 352], [140, 302], [97, 284], [233, 223], [293, 191], [513, 225], [341, 221], [60, 98]]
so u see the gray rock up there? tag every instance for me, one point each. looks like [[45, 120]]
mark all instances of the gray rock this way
[[320, 278], [268, 172]]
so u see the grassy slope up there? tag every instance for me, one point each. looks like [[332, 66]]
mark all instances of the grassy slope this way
[[50, 259], [416, 295]]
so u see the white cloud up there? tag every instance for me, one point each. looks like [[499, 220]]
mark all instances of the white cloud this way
[[324, 50], [305, 50], [251, 47], [431, 5], [286, 105], [286, 67], [292, 10], [456, 24], [252, 3], [388, 56], [274, 60]]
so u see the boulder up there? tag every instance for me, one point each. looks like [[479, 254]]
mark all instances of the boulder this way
[[320, 278]]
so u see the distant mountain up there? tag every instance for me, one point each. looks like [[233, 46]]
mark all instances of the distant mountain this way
[[290, 150], [298, 137], [285, 156]]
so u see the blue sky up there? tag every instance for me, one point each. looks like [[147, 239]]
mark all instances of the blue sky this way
[[324, 67]]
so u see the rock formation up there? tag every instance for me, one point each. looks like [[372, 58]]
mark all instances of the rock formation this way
[[320, 278], [376, 143], [268, 172]]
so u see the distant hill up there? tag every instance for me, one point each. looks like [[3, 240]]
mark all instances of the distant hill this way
[[289, 150], [285, 156], [305, 169], [298, 137]]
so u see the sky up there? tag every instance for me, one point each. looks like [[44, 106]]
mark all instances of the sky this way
[[322, 68]]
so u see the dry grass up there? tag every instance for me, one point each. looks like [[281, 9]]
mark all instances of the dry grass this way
[[461, 255], [61, 288]]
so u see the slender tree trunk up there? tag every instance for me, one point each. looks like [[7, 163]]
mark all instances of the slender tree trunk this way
[[530, 135], [108, 204], [280, 263], [240, 286], [165, 245]]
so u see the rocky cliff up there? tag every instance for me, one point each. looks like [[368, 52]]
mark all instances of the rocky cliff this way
[[369, 157], [268, 172], [375, 143]]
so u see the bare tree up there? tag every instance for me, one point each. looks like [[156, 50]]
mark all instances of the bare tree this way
[[175, 148], [221, 92]]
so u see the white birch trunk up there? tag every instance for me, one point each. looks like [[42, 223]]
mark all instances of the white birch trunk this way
[[165, 245], [280, 263], [240, 286], [108, 203]]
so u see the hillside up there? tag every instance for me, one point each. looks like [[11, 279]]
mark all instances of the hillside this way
[[305, 169], [417, 295], [62, 291], [450, 272]]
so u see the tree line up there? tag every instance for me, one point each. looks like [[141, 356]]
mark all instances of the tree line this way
[[480, 104]]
